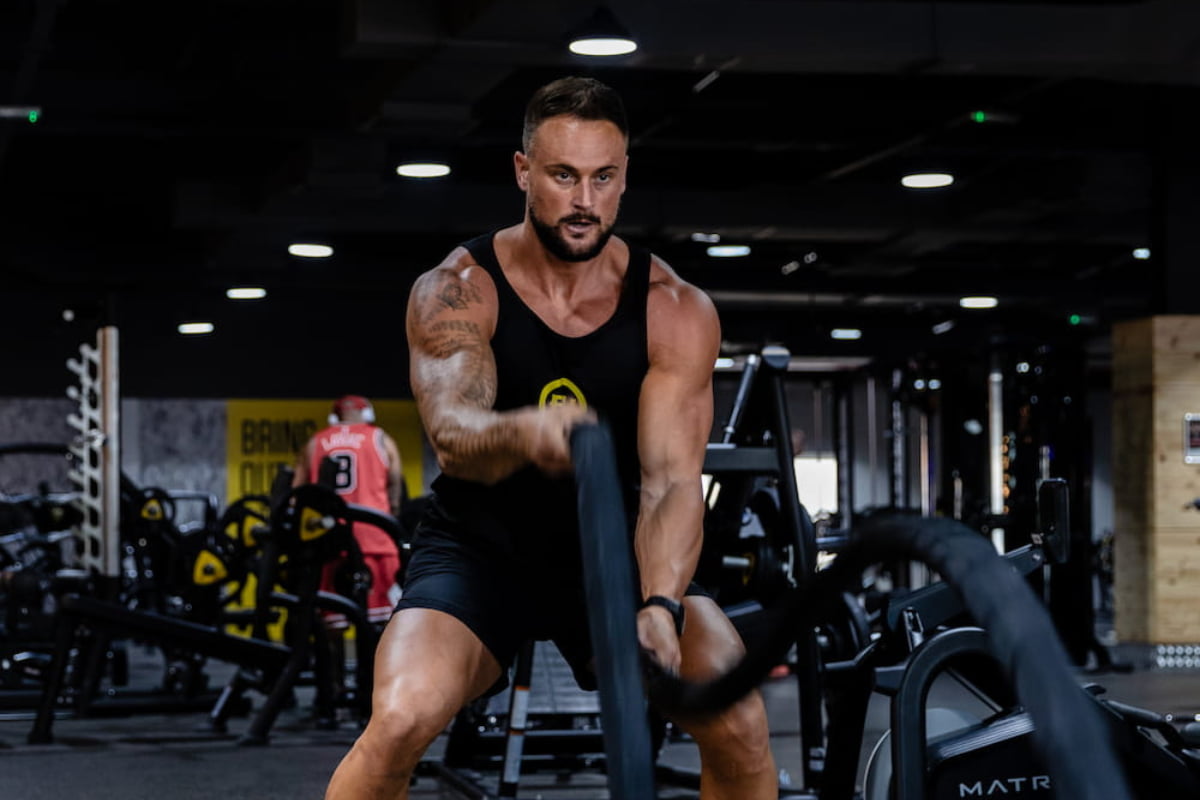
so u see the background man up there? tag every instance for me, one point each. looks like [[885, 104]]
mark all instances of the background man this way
[[368, 474]]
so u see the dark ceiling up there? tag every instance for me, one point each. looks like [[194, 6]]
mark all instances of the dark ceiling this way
[[181, 146]]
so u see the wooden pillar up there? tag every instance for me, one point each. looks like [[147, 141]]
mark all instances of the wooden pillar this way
[[1156, 382]]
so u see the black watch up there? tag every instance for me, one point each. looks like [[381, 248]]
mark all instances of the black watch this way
[[675, 607]]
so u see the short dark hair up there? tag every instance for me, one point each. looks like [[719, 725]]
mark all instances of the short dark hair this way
[[586, 98]]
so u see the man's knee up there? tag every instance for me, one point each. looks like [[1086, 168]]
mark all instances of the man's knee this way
[[404, 723], [737, 740]]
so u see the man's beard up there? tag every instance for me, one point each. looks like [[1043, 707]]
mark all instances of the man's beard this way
[[557, 244]]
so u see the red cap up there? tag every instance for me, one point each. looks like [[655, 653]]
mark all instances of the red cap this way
[[351, 402]]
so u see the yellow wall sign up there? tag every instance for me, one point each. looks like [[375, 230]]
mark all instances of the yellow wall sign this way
[[263, 435]]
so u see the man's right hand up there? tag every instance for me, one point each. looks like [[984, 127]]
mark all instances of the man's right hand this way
[[547, 433]]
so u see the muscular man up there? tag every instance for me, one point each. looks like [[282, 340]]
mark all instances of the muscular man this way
[[514, 339], [368, 474]]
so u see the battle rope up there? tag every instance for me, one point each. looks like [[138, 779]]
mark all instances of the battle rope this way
[[612, 615]]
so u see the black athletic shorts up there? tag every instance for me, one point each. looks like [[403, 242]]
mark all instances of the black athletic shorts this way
[[504, 600]]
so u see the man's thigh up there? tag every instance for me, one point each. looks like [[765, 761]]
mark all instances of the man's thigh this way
[[482, 594], [429, 658]]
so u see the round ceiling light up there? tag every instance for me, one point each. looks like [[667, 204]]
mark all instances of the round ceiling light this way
[[195, 328], [310, 250], [927, 180], [246, 293], [423, 169]]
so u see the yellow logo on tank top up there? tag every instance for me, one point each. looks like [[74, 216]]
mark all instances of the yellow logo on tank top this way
[[560, 392]]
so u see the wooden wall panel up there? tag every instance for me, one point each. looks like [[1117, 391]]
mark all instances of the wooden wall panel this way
[[1156, 380]]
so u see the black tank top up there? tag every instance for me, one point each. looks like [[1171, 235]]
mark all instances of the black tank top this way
[[530, 515]]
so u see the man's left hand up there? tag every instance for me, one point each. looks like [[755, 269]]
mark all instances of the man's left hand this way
[[656, 634]]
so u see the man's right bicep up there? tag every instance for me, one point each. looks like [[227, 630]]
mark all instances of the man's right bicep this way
[[455, 370], [450, 318]]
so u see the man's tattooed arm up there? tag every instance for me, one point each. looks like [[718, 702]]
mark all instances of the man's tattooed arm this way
[[451, 316]]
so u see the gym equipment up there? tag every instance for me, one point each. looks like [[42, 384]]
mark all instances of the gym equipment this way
[[753, 476], [1020, 637], [543, 723], [997, 755], [41, 552], [308, 526]]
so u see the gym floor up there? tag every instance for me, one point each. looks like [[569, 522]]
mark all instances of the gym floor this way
[[155, 755]]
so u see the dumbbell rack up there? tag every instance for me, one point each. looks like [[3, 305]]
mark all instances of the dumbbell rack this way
[[96, 449]]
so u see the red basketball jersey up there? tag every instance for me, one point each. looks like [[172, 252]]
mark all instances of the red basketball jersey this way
[[361, 478]]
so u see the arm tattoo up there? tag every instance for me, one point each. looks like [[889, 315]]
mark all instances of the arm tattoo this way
[[444, 346], [476, 381], [461, 325], [449, 292], [458, 295], [448, 337], [480, 388]]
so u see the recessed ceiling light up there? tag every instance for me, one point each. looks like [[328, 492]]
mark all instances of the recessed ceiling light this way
[[195, 328], [423, 169], [943, 327], [707, 238], [602, 46], [927, 180], [310, 250], [978, 302], [724, 363], [246, 293], [728, 250], [845, 333], [1141, 253]]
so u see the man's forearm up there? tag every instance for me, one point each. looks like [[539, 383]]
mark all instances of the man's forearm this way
[[478, 445], [668, 540]]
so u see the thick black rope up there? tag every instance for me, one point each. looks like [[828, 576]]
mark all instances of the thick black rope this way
[[1068, 730], [612, 615]]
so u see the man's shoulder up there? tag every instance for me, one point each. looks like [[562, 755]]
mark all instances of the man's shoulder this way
[[454, 285], [455, 262], [679, 316], [669, 293]]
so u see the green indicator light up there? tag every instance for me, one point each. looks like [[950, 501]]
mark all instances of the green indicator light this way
[[33, 116], [1074, 319], [979, 116]]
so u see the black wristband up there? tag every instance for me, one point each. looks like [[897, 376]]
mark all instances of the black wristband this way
[[675, 607]]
